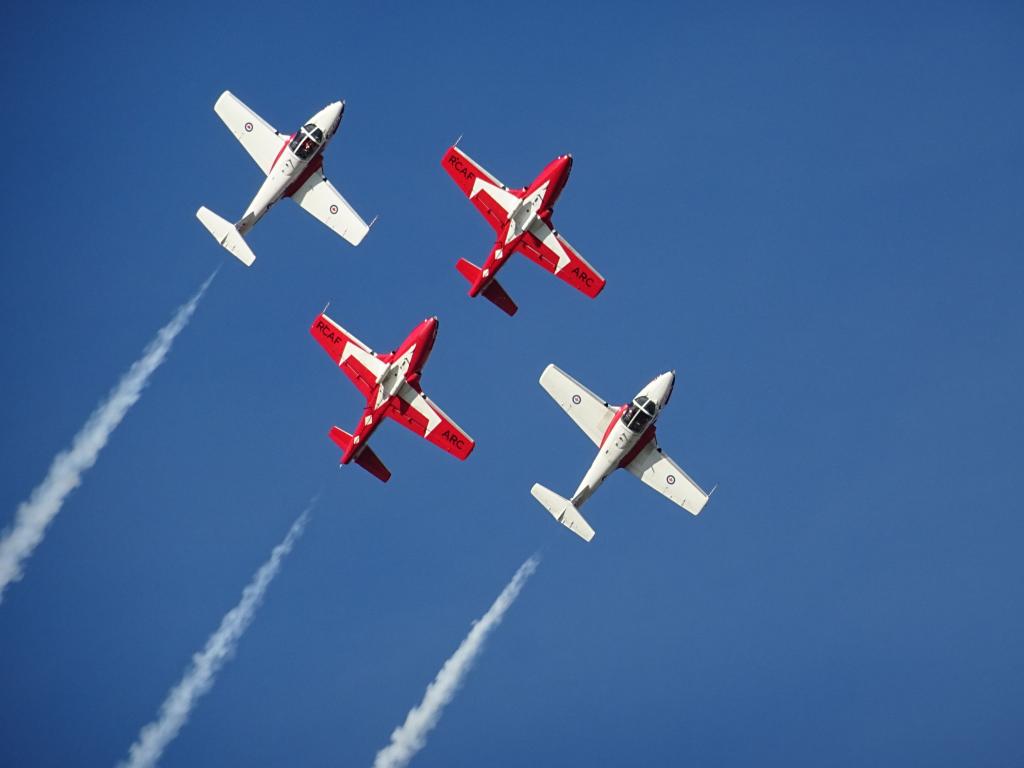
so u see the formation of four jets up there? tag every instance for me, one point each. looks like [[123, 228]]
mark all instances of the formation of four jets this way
[[521, 218]]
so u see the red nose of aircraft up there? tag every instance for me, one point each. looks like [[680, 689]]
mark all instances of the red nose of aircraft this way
[[424, 339], [557, 173], [562, 168], [427, 332]]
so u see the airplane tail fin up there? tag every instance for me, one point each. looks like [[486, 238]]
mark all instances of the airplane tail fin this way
[[363, 456], [343, 440], [225, 233], [494, 293], [468, 270], [563, 511]]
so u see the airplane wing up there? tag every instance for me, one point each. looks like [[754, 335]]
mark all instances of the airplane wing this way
[[319, 198], [413, 410], [259, 138], [662, 474], [355, 359], [590, 412], [492, 198], [550, 250]]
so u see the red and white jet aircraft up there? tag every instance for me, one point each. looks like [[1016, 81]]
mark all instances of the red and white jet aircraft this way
[[522, 220], [294, 168], [391, 385], [625, 438]]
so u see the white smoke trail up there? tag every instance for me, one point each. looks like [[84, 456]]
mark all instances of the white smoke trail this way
[[410, 737], [200, 676], [35, 514]]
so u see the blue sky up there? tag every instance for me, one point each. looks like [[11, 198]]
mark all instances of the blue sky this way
[[812, 214]]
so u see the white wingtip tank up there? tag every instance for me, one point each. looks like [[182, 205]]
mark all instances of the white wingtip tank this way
[[225, 233], [563, 511]]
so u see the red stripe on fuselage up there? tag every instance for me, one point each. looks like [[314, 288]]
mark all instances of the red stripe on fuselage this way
[[280, 152], [645, 438], [314, 165], [613, 422]]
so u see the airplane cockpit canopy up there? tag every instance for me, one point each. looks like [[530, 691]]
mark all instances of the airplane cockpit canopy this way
[[306, 141], [639, 414]]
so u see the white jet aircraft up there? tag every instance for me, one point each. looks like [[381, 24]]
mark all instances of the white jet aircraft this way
[[625, 437], [294, 168]]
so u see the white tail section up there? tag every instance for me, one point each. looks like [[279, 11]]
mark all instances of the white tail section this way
[[563, 511], [224, 232]]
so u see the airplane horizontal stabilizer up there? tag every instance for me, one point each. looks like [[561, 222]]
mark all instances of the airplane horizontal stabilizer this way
[[495, 294], [343, 440], [364, 457], [224, 232], [563, 511], [369, 461], [470, 271]]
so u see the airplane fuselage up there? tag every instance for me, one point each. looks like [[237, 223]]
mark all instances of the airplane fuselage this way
[[403, 369], [537, 202], [301, 155], [629, 431]]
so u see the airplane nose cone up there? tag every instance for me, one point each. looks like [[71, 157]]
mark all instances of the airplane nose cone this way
[[661, 388], [667, 382], [430, 331], [333, 113], [327, 119]]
